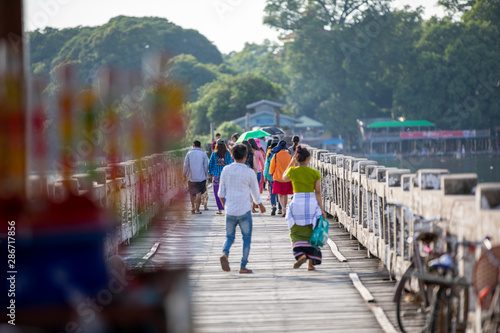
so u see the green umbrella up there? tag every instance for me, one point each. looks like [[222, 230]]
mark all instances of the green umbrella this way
[[252, 134]]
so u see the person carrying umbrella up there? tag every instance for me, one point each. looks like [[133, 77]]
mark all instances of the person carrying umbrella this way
[[279, 164]]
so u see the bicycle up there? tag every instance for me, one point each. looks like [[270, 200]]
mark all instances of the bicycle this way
[[486, 283], [413, 309], [442, 301], [451, 304]]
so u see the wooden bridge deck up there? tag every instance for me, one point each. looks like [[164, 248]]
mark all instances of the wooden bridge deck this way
[[276, 297]]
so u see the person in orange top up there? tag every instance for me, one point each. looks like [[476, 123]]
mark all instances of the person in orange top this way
[[279, 163]]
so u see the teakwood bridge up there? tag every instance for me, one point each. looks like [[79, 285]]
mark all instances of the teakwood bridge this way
[[353, 288]]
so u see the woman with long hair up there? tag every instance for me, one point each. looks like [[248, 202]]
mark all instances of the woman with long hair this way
[[218, 160], [305, 208], [295, 143], [250, 162], [279, 163], [259, 158], [269, 177]]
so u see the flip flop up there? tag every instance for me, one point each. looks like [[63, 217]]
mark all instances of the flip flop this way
[[245, 271], [197, 213], [311, 268], [193, 211], [218, 213], [300, 261]]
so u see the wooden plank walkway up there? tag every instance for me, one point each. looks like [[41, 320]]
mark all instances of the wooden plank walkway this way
[[276, 297]]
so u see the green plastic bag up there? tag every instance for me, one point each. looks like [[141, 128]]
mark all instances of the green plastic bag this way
[[319, 236]]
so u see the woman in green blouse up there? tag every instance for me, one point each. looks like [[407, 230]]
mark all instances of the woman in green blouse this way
[[305, 207]]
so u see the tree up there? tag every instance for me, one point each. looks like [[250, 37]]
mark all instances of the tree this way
[[484, 10], [228, 128], [264, 59], [227, 97], [453, 81], [457, 6], [291, 15], [122, 43], [193, 74]]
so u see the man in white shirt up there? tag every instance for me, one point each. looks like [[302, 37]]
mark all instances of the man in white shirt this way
[[238, 185], [196, 171]]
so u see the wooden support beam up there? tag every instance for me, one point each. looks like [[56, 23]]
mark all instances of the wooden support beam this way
[[367, 296], [336, 251]]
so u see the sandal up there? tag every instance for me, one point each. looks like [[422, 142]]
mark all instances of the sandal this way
[[300, 261], [192, 211], [218, 212], [311, 268], [245, 271], [198, 212], [280, 211]]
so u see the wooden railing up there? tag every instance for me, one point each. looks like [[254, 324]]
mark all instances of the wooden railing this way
[[134, 191], [363, 194]]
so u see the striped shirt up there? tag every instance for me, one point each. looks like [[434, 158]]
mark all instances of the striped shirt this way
[[238, 184]]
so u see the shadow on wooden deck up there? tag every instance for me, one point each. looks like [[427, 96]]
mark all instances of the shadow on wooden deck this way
[[276, 297]]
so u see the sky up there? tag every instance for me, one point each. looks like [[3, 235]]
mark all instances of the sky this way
[[226, 23]]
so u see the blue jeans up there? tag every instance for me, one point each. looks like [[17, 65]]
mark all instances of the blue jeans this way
[[245, 222], [273, 196]]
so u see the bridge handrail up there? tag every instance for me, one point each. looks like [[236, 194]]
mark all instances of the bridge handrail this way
[[370, 200], [135, 190]]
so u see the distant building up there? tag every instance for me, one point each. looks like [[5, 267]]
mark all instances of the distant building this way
[[390, 137], [309, 128], [266, 113]]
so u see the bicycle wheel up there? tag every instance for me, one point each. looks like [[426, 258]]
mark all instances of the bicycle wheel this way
[[412, 308], [450, 310]]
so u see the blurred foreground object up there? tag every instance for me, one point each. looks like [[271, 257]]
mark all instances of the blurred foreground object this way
[[99, 170]]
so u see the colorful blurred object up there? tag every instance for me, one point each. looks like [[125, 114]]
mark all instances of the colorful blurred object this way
[[97, 170]]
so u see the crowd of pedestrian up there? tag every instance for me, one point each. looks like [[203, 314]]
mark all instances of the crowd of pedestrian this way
[[239, 174]]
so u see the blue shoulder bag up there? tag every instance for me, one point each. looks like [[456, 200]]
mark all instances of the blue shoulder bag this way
[[319, 236]]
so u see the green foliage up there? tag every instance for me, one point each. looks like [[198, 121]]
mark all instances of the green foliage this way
[[228, 128], [456, 6], [265, 59], [293, 15], [193, 74], [45, 44], [122, 43], [354, 59], [341, 61]]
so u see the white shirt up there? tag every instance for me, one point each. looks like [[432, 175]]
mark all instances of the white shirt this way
[[238, 184]]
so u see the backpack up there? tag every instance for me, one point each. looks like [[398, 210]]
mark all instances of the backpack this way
[[319, 236]]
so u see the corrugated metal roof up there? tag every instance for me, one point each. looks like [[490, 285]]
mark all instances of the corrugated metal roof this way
[[308, 122]]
